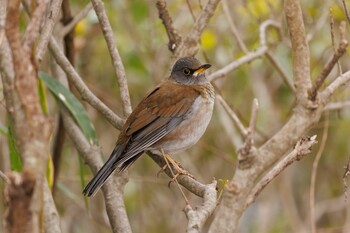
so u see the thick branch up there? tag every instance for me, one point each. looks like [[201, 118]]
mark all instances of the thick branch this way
[[300, 48]]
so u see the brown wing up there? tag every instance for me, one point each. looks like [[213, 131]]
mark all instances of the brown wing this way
[[155, 116]]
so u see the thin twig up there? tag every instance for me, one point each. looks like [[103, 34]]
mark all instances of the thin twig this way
[[346, 10], [174, 37], [331, 88], [114, 53], [345, 176], [84, 91], [82, 14], [232, 115], [314, 173], [4, 177], [280, 70], [250, 56], [233, 27], [3, 6], [302, 148], [188, 47], [327, 69], [334, 106], [47, 29]]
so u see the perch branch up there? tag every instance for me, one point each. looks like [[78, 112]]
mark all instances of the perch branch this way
[[198, 216], [114, 53], [337, 105]]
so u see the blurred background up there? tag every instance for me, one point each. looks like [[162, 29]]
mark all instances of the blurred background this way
[[142, 42]]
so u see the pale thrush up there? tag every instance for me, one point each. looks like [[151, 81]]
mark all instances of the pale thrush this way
[[171, 118]]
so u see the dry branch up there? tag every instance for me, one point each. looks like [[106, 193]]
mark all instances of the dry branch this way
[[114, 53]]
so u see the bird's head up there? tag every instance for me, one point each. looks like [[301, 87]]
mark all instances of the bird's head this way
[[189, 70]]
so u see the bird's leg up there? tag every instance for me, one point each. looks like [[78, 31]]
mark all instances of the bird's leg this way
[[176, 165], [166, 158]]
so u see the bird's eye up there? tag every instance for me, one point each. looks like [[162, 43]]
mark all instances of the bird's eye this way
[[186, 71]]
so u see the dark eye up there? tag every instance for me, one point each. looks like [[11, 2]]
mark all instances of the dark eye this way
[[186, 71]]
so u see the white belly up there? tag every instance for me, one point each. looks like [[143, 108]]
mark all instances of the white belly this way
[[187, 132]]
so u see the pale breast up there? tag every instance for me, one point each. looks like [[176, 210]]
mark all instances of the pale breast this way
[[188, 132]]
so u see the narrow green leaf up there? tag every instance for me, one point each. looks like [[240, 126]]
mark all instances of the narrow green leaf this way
[[72, 104], [82, 180], [42, 97], [15, 158]]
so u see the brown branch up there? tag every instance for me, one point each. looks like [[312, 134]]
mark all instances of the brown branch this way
[[331, 88], [302, 148], [114, 53], [84, 91], [198, 216], [345, 176], [4, 177], [188, 46], [328, 68], [3, 6], [346, 10], [300, 48], [174, 37], [33, 27], [47, 29]]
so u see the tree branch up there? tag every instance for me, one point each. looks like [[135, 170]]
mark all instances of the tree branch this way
[[84, 91], [300, 48], [79, 16], [113, 51]]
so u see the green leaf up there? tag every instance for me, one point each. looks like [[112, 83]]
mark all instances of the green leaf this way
[[82, 180], [15, 158], [42, 97], [72, 104]]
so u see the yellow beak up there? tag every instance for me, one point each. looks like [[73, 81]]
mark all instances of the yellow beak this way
[[201, 69]]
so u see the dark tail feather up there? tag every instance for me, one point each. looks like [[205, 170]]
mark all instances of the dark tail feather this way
[[102, 175]]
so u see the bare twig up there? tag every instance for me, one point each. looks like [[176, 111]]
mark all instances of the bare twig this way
[[301, 53], [233, 27], [4, 177], [188, 46], [33, 28], [334, 106], [247, 152], [321, 21], [86, 94], [79, 16], [198, 216], [232, 115], [47, 29], [328, 68], [174, 37], [331, 88], [114, 53], [345, 176], [314, 173], [221, 73], [346, 10], [280, 70], [302, 148], [250, 56]]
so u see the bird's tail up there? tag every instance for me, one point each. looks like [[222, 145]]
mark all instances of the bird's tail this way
[[102, 175]]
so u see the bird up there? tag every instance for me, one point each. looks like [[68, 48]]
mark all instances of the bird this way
[[169, 119]]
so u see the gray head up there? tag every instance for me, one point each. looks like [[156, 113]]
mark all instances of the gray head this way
[[188, 70]]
